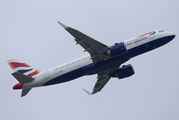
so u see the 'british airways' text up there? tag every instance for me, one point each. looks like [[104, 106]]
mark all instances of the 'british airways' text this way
[[136, 40]]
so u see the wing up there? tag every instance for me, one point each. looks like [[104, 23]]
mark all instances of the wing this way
[[95, 48], [103, 78], [101, 82]]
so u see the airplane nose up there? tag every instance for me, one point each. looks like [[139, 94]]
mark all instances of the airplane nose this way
[[171, 35]]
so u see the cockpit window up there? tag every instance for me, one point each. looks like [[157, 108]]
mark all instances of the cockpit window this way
[[161, 31]]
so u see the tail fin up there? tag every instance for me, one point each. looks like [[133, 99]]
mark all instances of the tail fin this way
[[23, 68], [24, 73]]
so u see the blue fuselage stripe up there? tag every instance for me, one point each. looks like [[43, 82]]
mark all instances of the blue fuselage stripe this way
[[111, 63]]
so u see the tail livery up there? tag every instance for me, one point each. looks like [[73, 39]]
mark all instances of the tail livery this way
[[23, 68], [24, 73]]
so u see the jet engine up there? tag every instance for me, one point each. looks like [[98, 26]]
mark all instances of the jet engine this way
[[124, 71], [117, 49]]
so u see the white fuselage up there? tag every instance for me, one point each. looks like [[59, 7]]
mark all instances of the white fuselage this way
[[79, 63]]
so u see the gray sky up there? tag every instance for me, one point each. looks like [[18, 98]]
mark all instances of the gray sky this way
[[29, 32]]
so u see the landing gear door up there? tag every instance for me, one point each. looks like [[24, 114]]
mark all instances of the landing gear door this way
[[46, 75]]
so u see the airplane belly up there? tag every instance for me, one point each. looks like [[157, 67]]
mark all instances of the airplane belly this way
[[66, 77], [105, 65]]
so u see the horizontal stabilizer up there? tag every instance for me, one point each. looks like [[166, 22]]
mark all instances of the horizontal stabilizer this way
[[22, 78]]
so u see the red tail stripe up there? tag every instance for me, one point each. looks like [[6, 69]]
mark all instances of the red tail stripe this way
[[18, 86], [34, 73], [16, 65]]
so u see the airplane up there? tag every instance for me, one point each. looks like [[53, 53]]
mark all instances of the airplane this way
[[105, 61]]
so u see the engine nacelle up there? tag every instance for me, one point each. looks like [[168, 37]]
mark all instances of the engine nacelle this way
[[117, 49], [124, 71]]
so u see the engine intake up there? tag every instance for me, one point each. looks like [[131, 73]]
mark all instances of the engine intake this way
[[124, 71], [117, 49]]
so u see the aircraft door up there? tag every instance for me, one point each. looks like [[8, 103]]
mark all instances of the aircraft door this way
[[151, 36], [46, 75]]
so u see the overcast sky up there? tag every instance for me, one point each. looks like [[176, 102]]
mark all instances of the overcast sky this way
[[29, 32]]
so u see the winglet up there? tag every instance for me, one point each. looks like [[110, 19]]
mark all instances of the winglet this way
[[64, 26], [89, 93]]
